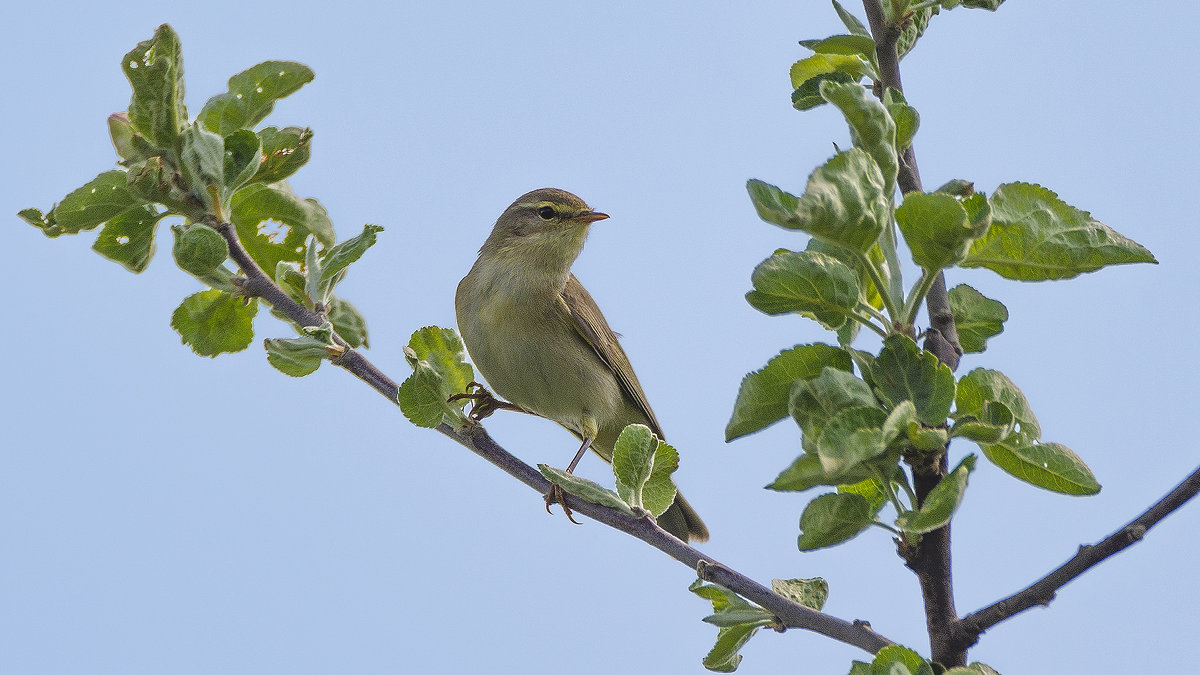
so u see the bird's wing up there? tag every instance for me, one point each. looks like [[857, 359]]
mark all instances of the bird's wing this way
[[594, 330]]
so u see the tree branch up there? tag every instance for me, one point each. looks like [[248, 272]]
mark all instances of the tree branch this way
[[1042, 591], [475, 438], [930, 558]]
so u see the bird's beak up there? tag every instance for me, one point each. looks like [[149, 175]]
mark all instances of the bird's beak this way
[[591, 216]]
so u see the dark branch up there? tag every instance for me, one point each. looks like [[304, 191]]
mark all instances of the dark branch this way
[[475, 438], [1042, 591], [930, 558]]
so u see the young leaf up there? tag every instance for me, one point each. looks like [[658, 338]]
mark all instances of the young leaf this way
[[804, 473], [296, 357], [995, 423], [335, 261], [212, 322], [869, 488], [815, 401], [905, 372], [252, 95], [659, 491], [763, 397], [851, 436], [976, 317], [128, 237], [284, 151], [905, 116], [202, 159], [588, 491], [90, 205], [243, 157], [199, 249], [348, 322], [823, 64], [444, 351], [844, 202], [272, 223], [899, 420], [887, 659], [1052, 466], [941, 503], [871, 127], [852, 23], [981, 386], [1036, 236], [440, 369], [811, 593], [936, 228], [155, 71], [806, 282], [808, 95], [833, 518], [633, 458]]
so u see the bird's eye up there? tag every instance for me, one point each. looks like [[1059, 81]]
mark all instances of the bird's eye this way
[[546, 213]]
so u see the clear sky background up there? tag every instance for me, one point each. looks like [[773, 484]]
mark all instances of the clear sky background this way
[[166, 513]]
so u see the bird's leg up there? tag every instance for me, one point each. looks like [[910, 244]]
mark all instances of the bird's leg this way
[[483, 403], [555, 495]]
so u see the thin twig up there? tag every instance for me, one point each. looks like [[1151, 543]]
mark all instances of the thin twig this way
[[930, 558], [1042, 591], [475, 438]]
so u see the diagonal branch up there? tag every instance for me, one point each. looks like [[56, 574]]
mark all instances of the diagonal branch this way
[[475, 438], [1042, 591], [930, 558]]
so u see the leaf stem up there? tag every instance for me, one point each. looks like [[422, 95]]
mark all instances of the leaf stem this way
[[876, 276], [912, 304]]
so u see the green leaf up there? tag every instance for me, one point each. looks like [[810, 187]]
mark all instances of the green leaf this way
[[833, 518], [811, 593], [91, 205], [871, 127], [957, 187], [911, 27], [296, 357], [763, 397], [724, 657], [990, 5], [852, 23], [994, 424], [252, 95], [813, 284], [155, 181], [899, 420], [289, 278], [659, 492], [823, 64], [155, 71], [739, 616], [633, 458], [1036, 236], [981, 386], [862, 46], [199, 249], [284, 151], [867, 293], [815, 401], [976, 317], [869, 488], [1052, 466], [941, 502], [588, 491], [905, 372], [905, 116], [902, 656], [243, 157], [348, 322], [844, 202], [804, 473], [335, 261], [212, 322], [929, 439], [936, 228], [128, 237], [440, 369], [851, 436], [202, 160], [808, 95], [273, 223]]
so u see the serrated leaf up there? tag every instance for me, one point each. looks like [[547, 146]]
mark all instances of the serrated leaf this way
[[199, 249], [903, 371], [724, 656], [994, 424], [252, 95], [833, 518], [212, 322], [980, 386], [420, 397], [869, 488], [583, 488], [927, 438], [902, 656], [348, 322], [811, 593], [823, 64], [284, 151], [273, 223], [763, 396], [722, 599], [802, 474], [444, 351], [844, 202], [899, 420], [851, 22], [128, 237], [871, 127], [92, 204], [905, 116], [936, 228], [976, 317], [941, 502], [289, 278], [335, 261], [808, 95], [1036, 236], [659, 491], [813, 402], [1052, 466], [202, 162], [810, 283], [296, 357], [155, 71], [243, 157], [852, 436], [633, 458], [867, 293]]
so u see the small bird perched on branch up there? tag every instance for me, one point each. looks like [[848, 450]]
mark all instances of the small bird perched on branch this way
[[539, 339]]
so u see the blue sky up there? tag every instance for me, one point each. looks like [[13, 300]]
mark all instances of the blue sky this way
[[162, 512]]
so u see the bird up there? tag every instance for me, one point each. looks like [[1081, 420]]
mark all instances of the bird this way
[[541, 342]]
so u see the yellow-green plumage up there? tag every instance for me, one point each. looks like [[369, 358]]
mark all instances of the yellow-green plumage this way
[[539, 339]]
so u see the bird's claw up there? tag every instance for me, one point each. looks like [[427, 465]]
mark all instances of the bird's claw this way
[[483, 403], [555, 496]]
